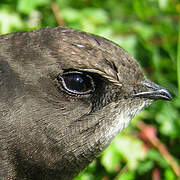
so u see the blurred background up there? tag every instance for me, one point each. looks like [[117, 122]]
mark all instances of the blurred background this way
[[148, 29]]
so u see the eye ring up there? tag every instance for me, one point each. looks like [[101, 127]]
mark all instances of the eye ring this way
[[77, 82]]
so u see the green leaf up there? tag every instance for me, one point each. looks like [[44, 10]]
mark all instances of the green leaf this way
[[127, 176], [163, 4], [110, 159], [144, 167], [168, 119], [131, 149], [157, 157], [9, 21], [169, 174], [27, 6]]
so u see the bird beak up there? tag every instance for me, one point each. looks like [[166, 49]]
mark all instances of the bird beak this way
[[154, 92]]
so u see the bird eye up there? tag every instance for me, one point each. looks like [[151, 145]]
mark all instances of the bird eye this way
[[77, 82]]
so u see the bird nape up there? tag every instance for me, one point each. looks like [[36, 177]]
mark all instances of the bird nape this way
[[64, 95]]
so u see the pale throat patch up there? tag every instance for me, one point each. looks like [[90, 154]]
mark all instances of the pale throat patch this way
[[122, 120]]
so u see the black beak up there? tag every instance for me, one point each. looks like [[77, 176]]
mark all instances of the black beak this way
[[154, 92]]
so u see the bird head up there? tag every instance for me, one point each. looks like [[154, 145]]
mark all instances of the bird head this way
[[68, 94]]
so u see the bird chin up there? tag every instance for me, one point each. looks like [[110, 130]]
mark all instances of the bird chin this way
[[123, 118]]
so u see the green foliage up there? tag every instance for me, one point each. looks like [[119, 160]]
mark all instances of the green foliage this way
[[178, 57], [149, 31]]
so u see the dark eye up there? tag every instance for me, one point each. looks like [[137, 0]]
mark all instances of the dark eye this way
[[77, 82]]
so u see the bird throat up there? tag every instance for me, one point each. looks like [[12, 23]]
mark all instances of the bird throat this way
[[119, 120]]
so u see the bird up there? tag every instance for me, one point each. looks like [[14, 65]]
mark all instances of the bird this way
[[64, 95]]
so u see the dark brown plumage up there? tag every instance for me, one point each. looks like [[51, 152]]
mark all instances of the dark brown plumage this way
[[64, 95]]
